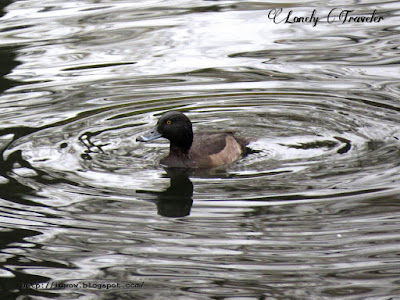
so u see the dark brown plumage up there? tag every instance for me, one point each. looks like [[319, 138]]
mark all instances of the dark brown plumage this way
[[188, 150]]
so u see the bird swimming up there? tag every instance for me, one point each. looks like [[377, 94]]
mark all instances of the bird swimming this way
[[194, 150]]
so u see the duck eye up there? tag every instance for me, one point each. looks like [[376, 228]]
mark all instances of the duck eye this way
[[168, 122]]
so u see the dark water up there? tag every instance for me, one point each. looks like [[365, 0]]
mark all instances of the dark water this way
[[312, 212]]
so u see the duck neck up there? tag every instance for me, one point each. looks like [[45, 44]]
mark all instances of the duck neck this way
[[181, 144], [179, 150]]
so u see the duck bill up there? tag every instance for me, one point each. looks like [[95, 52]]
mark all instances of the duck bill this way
[[149, 136]]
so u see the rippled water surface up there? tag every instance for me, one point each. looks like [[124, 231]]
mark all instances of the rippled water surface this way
[[312, 211]]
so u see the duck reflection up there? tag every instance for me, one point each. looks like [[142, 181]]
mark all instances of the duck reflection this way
[[176, 200]]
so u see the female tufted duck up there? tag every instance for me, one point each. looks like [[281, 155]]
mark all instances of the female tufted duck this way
[[201, 150]]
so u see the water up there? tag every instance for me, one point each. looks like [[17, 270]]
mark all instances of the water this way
[[311, 212]]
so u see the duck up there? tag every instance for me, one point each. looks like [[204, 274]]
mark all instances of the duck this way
[[194, 151]]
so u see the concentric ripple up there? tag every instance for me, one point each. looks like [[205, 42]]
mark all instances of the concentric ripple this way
[[304, 143]]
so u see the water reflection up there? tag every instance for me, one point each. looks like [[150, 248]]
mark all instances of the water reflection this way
[[176, 200], [14, 263], [7, 58], [8, 62], [15, 246]]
